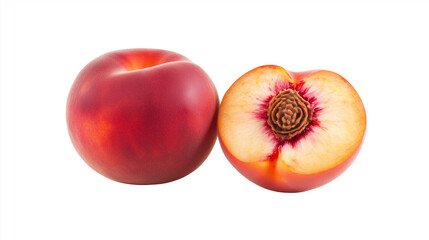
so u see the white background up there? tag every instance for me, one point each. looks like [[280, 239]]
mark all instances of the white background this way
[[382, 48]]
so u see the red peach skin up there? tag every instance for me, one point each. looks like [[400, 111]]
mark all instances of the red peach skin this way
[[143, 116], [285, 181]]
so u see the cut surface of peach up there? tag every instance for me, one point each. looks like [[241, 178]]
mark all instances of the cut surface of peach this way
[[322, 127]]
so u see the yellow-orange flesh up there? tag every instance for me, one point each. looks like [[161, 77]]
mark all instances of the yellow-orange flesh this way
[[338, 127]]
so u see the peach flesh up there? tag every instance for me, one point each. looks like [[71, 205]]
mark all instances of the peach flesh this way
[[312, 158]]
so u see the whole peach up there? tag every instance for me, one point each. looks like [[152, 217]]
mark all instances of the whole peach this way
[[142, 116]]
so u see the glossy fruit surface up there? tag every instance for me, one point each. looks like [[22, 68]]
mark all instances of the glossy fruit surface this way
[[289, 131], [142, 116]]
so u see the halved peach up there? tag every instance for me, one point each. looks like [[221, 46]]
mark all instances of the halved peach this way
[[288, 131]]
